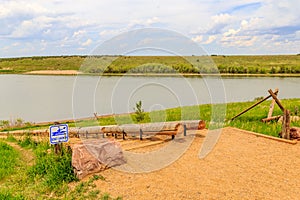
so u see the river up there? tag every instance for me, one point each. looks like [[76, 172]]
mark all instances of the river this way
[[38, 98]]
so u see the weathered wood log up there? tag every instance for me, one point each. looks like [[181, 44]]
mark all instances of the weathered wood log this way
[[286, 125], [272, 105], [276, 100], [131, 128], [194, 124], [271, 118], [160, 126], [259, 102], [112, 129]]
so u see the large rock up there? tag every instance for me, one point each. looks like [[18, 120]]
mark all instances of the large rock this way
[[295, 133], [93, 156]]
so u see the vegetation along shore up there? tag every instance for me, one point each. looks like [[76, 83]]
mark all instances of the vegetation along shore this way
[[259, 65], [250, 121]]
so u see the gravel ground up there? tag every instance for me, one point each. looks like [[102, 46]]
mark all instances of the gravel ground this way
[[241, 166]]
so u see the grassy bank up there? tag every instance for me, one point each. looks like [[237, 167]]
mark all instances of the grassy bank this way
[[249, 121], [244, 65], [8, 160], [48, 176]]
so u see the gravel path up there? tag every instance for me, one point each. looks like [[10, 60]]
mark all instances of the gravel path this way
[[241, 166]]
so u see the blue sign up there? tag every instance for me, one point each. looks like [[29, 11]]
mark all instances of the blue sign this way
[[59, 133]]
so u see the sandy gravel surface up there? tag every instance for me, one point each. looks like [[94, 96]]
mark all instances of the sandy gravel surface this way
[[241, 166], [55, 72]]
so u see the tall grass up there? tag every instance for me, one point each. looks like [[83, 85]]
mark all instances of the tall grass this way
[[47, 178], [8, 160], [54, 170], [223, 113]]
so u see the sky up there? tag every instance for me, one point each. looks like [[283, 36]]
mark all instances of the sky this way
[[67, 27]]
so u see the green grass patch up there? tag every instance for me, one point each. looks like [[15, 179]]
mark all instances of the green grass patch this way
[[215, 116], [6, 195], [47, 178], [54, 170], [8, 160], [218, 115]]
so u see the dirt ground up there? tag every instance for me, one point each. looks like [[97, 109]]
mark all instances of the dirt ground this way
[[241, 166]]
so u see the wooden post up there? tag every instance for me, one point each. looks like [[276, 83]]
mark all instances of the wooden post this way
[[276, 100], [57, 147], [272, 105], [286, 125], [252, 106], [184, 130], [141, 134], [124, 134]]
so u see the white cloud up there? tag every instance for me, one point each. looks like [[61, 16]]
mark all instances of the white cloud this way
[[272, 25], [79, 33], [231, 32], [210, 39], [222, 18], [88, 42], [19, 8], [198, 38], [30, 27]]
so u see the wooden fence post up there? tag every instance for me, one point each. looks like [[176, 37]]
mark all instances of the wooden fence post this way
[[259, 102], [286, 124], [276, 99], [272, 105], [57, 147]]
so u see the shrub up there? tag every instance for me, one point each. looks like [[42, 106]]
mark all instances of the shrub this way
[[11, 138], [27, 142], [54, 169], [139, 112]]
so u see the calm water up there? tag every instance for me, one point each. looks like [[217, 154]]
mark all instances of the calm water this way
[[45, 98]]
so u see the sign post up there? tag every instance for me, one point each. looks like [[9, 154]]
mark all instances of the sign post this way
[[58, 133]]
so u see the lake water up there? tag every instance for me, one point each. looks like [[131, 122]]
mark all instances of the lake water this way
[[38, 98]]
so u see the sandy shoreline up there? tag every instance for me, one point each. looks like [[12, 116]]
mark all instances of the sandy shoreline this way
[[54, 72]]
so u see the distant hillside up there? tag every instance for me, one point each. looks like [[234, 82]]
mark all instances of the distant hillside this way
[[273, 64]]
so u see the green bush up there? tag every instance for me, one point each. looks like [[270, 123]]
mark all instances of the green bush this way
[[28, 142], [11, 138], [54, 169]]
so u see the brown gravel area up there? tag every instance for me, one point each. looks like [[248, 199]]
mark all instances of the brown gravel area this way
[[241, 166]]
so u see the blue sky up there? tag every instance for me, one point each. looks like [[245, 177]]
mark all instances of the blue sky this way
[[39, 27]]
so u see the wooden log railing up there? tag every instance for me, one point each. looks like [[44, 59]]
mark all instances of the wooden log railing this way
[[158, 128]]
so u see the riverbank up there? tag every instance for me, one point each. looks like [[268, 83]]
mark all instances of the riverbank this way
[[74, 72], [250, 121], [254, 65]]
